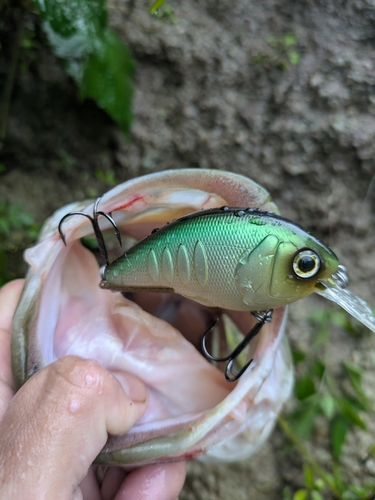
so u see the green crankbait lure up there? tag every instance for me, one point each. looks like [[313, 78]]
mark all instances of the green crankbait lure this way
[[241, 259], [233, 258]]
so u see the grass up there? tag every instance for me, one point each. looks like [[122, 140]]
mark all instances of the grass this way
[[319, 397], [18, 230]]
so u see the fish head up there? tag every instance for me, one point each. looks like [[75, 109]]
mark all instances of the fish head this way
[[287, 265], [300, 266], [192, 410]]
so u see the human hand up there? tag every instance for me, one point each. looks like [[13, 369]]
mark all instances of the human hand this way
[[52, 429]]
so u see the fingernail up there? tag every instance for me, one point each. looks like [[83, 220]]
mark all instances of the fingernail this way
[[132, 385]]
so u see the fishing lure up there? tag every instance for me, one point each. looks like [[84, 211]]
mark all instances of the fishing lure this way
[[233, 258], [241, 259]]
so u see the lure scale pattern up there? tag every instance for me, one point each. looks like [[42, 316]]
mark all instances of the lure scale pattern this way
[[232, 258]]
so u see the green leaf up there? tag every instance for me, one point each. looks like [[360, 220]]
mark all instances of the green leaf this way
[[294, 57], [302, 420], [309, 477], [338, 430], [305, 387], [156, 6], [298, 356], [328, 405], [92, 53], [106, 176], [353, 492], [4, 228], [319, 316], [272, 40], [355, 377], [315, 495], [25, 219], [90, 242], [290, 40], [72, 17], [107, 79], [356, 403], [318, 368], [287, 494], [233, 336], [301, 495], [353, 370], [319, 484], [166, 13], [347, 410], [337, 477], [341, 319], [330, 480], [320, 337]]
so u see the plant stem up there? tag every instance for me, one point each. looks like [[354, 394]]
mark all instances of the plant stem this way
[[285, 427], [9, 83]]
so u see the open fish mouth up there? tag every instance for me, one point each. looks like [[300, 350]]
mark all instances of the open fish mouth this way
[[192, 410]]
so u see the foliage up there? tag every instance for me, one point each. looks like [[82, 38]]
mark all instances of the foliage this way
[[107, 176], [283, 53], [167, 14], [156, 6], [318, 395], [92, 53], [29, 46], [17, 230]]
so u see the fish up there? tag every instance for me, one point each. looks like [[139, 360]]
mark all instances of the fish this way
[[192, 410]]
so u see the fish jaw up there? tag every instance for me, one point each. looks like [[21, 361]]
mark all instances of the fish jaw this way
[[192, 410]]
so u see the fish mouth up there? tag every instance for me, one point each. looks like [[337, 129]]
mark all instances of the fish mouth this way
[[192, 409]]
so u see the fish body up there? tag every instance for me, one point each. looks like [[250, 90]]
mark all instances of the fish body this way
[[233, 258], [191, 410]]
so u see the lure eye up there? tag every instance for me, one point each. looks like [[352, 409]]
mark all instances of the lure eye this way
[[306, 264]]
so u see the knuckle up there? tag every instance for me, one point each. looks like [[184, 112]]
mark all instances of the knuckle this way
[[79, 373]]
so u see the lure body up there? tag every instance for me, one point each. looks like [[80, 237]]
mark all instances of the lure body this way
[[238, 259]]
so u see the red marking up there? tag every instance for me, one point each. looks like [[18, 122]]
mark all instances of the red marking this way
[[192, 454], [188, 455], [130, 203]]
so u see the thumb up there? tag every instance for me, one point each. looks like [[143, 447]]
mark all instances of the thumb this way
[[59, 421]]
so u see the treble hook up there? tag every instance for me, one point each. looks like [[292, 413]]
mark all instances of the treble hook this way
[[262, 317], [95, 225]]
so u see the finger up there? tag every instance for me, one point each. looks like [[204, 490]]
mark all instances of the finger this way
[[58, 422], [9, 296], [159, 482], [113, 478], [89, 487]]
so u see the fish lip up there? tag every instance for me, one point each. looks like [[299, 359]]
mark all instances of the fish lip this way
[[117, 451], [50, 242]]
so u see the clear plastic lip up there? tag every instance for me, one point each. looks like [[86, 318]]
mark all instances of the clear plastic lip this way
[[336, 291]]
